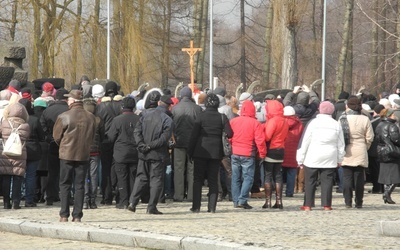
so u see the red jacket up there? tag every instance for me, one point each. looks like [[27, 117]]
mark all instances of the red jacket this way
[[247, 133], [276, 127], [295, 131]]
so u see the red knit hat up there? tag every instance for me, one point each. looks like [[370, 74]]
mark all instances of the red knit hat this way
[[47, 87]]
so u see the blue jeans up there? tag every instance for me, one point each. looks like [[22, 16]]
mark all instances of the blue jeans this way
[[290, 180], [242, 178], [30, 180]]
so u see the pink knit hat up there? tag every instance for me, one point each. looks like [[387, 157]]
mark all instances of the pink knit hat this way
[[326, 107]]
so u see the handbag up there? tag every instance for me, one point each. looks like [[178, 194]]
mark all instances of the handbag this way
[[13, 145], [226, 145], [389, 152]]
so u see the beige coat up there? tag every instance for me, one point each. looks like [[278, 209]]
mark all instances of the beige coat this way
[[17, 115], [361, 137]]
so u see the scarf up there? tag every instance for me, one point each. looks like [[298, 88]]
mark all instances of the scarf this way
[[345, 124]]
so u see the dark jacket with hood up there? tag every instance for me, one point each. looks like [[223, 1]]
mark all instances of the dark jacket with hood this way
[[305, 105]]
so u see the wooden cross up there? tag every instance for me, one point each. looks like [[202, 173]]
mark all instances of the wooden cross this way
[[191, 51]]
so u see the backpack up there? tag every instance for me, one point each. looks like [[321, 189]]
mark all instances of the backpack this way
[[13, 145]]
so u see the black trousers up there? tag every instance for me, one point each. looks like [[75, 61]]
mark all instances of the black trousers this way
[[125, 173], [374, 167], [311, 179], [205, 169], [53, 177], [72, 172], [353, 177], [15, 188], [149, 173], [106, 165]]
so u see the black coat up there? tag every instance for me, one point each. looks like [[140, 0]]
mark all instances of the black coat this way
[[49, 117], [388, 140], [121, 134], [184, 115], [206, 139], [154, 129], [33, 148], [107, 111]]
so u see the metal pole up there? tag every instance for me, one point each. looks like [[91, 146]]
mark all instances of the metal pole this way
[[108, 39], [323, 54], [211, 45]]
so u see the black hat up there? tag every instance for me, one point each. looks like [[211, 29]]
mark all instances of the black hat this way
[[212, 101], [152, 99], [219, 91], [60, 94], [166, 99], [111, 88], [378, 108]]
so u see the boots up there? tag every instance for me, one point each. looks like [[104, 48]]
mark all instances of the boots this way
[[387, 194], [212, 203], [16, 205], [268, 193], [278, 194], [93, 203], [7, 203]]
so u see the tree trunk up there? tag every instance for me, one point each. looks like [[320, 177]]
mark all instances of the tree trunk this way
[[374, 47], [289, 63], [344, 50], [382, 49], [165, 44], [349, 60], [34, 65], [76, 43], [14, 20], [95, 41], [267, 58]]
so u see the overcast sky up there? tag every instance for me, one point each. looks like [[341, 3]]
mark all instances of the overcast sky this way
[[229, 10]]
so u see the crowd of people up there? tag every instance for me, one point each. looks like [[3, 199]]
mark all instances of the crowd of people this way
[[149, 146]]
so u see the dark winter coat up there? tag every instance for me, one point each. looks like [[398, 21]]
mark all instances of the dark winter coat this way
[[107, 111], [154, 129], [74, 132], [184, 114], [121, 134], [305, 105], [49, 117], [206, 140], [17, 115], [388, 133]]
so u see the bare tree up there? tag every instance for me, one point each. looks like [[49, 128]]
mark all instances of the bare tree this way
[[345, 47]]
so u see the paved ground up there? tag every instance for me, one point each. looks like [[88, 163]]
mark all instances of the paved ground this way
[[18, 241], [228, 228]]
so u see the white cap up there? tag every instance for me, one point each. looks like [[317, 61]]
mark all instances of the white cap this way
[[288, 111]]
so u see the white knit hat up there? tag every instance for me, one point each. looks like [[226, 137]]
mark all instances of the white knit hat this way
[[98, 91], [288, 111], [245, 96]]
